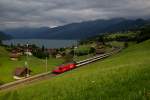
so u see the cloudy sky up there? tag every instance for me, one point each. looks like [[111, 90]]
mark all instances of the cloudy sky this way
[[37, 13]]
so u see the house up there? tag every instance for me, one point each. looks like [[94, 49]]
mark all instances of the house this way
[[20, 51], [52, 51], [21, 72], [99, 45], [100, 51], [28, 53], [14, 56], [17, 51], [58, 55]]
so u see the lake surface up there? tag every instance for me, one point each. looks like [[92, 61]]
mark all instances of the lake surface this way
[[40, 42]]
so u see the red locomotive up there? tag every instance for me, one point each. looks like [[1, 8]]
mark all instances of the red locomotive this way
[[64, 68]]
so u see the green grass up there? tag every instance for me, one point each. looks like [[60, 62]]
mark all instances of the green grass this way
[[79, 58], [36, 65], [124, 76], [83, 48], [128, 34], [86, 48], [121, 44]]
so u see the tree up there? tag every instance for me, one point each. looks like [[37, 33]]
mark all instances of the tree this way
[[0, 42], [43, 48], [40, 54], [68, 58], [144, 34], [72, 52], [18, 45], [11, 45], [62, 49], [126, 44], [92, 50], [101, 39]]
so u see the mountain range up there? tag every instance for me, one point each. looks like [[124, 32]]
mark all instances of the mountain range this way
[[77, 30], [4, 36]]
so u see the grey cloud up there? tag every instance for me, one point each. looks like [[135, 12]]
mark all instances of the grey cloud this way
[[36, 13]]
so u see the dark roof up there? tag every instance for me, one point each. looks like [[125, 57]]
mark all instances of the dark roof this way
[[18, 71], [100, 51]]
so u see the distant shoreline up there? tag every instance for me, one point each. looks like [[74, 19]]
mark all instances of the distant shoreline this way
[[48, 43]]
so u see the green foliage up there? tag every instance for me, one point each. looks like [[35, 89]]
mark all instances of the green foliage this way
[[92, 50], [83, 50], [126, 44], [61, 49], [41, 54], [43, 48], [0, 42], [81, 53], [121, 36], [1, 82], [101, 39], [68, 58], [144, 34]]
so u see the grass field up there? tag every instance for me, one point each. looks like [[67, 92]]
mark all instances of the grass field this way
[[84, 48], [36, 65], [125, 76], [128, 34], [121, 44]]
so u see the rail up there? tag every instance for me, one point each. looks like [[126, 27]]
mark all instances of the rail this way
[[40, 76]]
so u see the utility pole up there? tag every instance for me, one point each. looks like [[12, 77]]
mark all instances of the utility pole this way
[[46, 64], [26, 62], [75, 47]]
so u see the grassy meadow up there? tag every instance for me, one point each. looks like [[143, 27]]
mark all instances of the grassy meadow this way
[[7, 66], [124, 76]]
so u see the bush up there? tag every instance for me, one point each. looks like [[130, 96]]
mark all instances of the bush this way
[[81, 53], [40, 54], [0, 42], [68, 58], [1, 82], [92, 50], [126, 44], [144, 34]]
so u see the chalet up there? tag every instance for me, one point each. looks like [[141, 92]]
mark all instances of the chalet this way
[[17, 51], [58, 55], [21, 72], [14, 56], [99, 45], [100, 51], [20, 51], [28, 51]]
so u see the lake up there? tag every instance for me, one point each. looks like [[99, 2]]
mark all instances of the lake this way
[[40, 42]]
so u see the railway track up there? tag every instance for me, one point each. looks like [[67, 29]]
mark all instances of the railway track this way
[[49, 75]]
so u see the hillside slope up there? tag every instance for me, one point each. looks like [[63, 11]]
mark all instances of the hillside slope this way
[[8, 66], [124, 76]]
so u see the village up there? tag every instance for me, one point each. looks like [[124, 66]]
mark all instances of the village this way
[[25, 52]]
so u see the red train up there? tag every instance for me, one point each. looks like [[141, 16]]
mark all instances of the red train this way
[[64, 68]]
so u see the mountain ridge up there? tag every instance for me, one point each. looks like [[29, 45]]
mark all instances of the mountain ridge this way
[[4, 36], [78, 30]]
